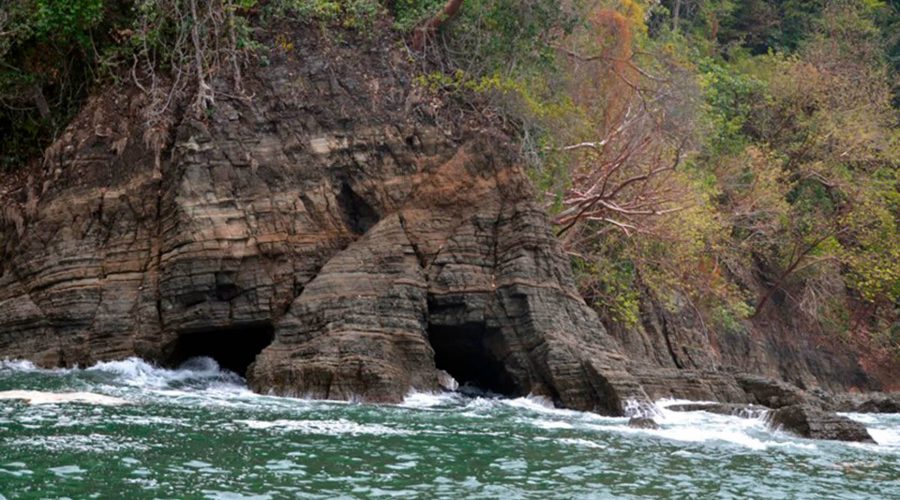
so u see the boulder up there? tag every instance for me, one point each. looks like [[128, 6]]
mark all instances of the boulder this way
[[770, 392], [642, 423], [809, 422], [867, 403]]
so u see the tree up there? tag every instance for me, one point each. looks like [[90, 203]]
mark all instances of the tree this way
[[430, 26], [623, 174]]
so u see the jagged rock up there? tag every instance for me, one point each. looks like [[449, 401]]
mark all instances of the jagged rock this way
[[772, 393], [446, 381], [734, 410], [642, 423], [694, 385], [867, 403], [672, 335], [810, 422], [362, 241]]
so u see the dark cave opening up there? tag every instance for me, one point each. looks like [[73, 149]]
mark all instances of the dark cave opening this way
[[472, 355], [358, 214], [234, 348]]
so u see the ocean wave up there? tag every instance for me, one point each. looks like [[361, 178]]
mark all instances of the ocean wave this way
[[422, 400], [93, 443], [140, 373], [18, 365], [42, 397], [326, 427]]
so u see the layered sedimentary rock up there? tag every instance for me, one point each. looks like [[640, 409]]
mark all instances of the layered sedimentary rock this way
[[676, 354], [815, 423], [328, 216]]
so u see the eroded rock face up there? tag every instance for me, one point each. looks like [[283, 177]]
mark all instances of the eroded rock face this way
[[330, 207], [772, 393], [674, 351], [866, 403], [814, 423]]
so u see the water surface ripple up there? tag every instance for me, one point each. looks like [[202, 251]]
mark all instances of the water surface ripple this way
[[197, 432]]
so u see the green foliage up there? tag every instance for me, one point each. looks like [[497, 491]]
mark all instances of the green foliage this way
[[610, 285], [409, 13], [52, 52], [730, 99], [48, 53], [356, 14], [67, 19], [791, 181]]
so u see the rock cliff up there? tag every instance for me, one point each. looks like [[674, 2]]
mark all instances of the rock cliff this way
[[336, 232], [329, 233]]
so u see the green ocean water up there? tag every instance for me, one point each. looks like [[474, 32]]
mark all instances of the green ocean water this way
[[197, 432]]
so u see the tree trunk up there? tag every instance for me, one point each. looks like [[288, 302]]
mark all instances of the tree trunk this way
[[421, 34], [40, 101], [676, 13], [779, 282]]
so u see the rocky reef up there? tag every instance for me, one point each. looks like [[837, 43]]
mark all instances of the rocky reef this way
[[814, 423]]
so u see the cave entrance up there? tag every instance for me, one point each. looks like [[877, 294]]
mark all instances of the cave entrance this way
[[472, 355], [234, 348]]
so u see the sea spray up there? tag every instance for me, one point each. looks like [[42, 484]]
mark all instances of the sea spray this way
[[198, 428]]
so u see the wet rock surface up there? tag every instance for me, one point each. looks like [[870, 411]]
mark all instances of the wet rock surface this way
[[771, 393], [866, 403], [814, 423], [735, 410], [642, 423]]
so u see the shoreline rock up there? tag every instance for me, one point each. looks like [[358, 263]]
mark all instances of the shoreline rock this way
[[809, 422], [730, 409], [643, 423]]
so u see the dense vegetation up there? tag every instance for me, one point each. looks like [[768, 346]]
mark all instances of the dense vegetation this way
[[739, 159]]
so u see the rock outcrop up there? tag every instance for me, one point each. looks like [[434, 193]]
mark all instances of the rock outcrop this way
[[330, 217], [676, 354], [730, 409], [865, 403], [814, 423], [643, 423]]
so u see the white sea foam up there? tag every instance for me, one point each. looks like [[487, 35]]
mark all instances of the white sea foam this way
[[884, 428], [699, 427], [139, 373], [533, 403], [67, 470], [228, 495], [325, 427], [551, 424], [43, 398], [886, 437], [83, 443], [581, 442], [18, 365], [429, 399]]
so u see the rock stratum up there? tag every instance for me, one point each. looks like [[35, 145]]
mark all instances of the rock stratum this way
[[328, 220], [333, 232]]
